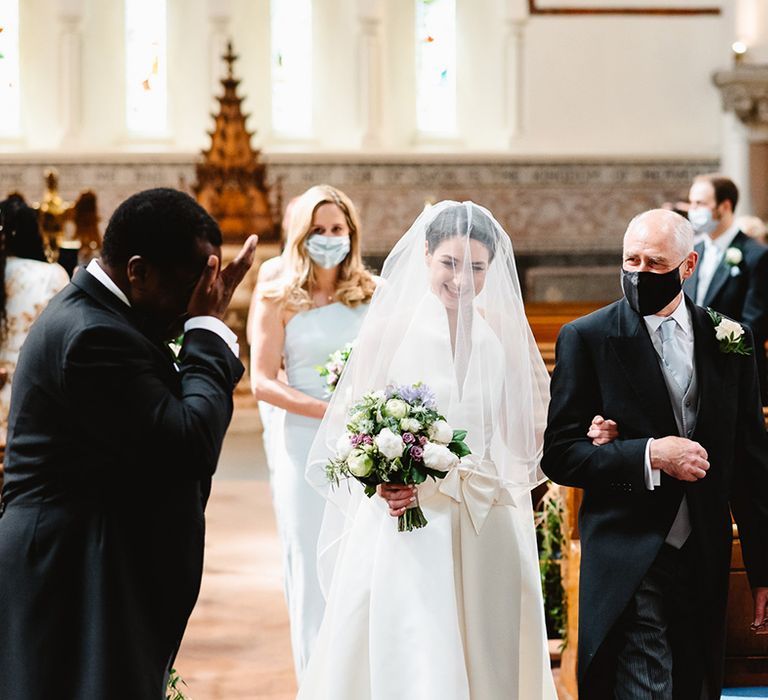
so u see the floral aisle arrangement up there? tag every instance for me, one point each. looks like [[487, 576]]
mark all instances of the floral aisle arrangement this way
[[397, 436], [549, 518], [334, 366], [174, 691]]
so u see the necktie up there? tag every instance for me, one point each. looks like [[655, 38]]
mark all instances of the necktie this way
[[672, 355]]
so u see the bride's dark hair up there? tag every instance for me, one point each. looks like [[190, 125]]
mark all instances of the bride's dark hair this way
[[453, 221]]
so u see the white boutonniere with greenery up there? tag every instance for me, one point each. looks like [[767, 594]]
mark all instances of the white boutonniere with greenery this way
[[733, 258], [729, 334], [175, 347]]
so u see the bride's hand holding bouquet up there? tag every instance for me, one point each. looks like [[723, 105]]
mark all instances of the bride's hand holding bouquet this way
[[397, 436]]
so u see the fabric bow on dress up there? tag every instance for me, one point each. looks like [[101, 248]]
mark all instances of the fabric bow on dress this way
[[475, 483]]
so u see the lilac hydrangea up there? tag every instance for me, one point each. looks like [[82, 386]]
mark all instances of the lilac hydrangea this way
[[414, 394]]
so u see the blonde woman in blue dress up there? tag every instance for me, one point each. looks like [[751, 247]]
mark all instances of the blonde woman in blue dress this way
[[307, 305]]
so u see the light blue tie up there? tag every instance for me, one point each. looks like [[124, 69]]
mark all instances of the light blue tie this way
[[672, 354]]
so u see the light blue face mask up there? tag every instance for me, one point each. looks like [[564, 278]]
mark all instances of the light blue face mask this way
[[327, 251], [701, 219]]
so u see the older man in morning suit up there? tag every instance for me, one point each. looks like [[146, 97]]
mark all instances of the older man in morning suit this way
[[655, 521]]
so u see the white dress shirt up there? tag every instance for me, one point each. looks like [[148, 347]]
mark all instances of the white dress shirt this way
[[684, 336], [209, 323], [713, 254]]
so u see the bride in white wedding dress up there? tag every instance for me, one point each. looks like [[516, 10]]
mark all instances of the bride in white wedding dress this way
[[452, 611]]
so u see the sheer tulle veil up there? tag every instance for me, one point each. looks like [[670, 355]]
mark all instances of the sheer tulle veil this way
[[449, 312]]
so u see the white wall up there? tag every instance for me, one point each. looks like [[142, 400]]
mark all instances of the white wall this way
[[591, 86]]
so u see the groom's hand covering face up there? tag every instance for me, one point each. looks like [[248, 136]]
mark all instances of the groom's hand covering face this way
[[161, 293], [214, 287]]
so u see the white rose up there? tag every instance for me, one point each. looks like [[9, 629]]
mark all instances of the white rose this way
[[733, 256], [389, 444], [343, 446], [728, 329], [360, 463], [396, 408], [441, 432], [439, 457], [410, 425]]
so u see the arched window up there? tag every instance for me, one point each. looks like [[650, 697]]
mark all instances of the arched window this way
[[10, 95], [291, 68], [146, 89], [436, 67]]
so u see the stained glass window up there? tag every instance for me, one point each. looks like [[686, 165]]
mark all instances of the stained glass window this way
[[292, 68], [146, 90], [436, 67], [10, 96]]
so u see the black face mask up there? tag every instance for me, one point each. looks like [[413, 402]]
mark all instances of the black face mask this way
[[649, 292]]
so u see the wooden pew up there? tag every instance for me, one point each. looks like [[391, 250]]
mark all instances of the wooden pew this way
[[546, 319]]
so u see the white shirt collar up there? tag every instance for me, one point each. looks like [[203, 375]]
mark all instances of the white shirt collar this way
[[680, 314], [723, 242], [98, 272]]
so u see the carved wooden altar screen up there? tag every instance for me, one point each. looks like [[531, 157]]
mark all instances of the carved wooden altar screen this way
[[231, 180], [232, 186]]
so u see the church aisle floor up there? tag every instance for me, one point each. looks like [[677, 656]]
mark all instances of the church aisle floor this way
[[237, 643]]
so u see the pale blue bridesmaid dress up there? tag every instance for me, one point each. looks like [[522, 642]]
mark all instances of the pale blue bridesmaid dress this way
[[310, 336]]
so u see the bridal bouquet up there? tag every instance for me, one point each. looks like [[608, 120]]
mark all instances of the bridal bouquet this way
[[397, 436], [334, 366]]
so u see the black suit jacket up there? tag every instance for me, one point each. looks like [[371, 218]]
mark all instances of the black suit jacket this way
[[109, 461], [606, 364], [741, 293]]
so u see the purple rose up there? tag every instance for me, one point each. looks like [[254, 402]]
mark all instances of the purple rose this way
[[417, 453], [409, 438]]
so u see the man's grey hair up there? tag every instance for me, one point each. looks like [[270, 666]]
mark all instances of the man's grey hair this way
[[676, 226]]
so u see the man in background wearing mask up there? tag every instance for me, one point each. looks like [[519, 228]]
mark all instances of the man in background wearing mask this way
[[732, 274], [655, 521]]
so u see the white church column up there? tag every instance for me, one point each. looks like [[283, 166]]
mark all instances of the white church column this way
[[70, 75], [514, 88], [744, 90], [369, 75], [219, 18]]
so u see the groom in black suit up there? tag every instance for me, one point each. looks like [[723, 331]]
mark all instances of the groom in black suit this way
[[112, 443], [655, 521], [732, 274]]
